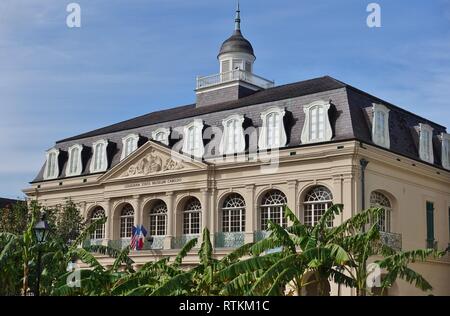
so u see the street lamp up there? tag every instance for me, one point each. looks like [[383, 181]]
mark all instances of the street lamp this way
[[41, 230]]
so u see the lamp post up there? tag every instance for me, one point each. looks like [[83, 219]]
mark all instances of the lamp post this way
[[41, 230]]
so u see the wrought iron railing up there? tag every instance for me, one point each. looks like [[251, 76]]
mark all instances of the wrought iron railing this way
[[392, 240], [260, 235], [179, 241], [237, 74], [120, 243], [154, 242], [229, 240], [432, 244], [93, 242]]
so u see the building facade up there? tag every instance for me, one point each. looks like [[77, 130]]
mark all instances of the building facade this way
[[245, 149]]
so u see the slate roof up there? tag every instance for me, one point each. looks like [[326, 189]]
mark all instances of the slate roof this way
[[7, 202], [350, 117]]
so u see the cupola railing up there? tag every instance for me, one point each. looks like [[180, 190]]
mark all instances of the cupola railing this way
[[234, 75]]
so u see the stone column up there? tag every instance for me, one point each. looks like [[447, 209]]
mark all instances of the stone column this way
[[292, 197], [213, 227], [170, 221], [138, 210], [250, 214], [337, 197], [205, 210], [109, 221], [348, 196]]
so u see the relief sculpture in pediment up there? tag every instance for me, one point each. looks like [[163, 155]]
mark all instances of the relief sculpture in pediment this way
[[150, 164]]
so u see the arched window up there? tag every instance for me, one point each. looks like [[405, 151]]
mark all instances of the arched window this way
[[191, 217], [193, 139], [161, 135], [273, 134], [51, 166], [233, 140], [126, 221], [158, 216], [380, 125], [99, 160], [74, 166], [378, 199], [317, 127], [233, 214], [129, 144], [99, 232], [272, 208], [317, 201]]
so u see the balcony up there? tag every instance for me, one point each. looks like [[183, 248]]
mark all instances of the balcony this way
[[234, 75], [119, 244], [392, 240], [229, 240], [154, 243], [180, 241], [260, 235]]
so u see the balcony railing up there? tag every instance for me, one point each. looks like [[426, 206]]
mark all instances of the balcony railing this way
[[229, 240], [237, 74], [260, 235], [120, 243], [93, 242], [153, 243], [392, 240], [180, 241]]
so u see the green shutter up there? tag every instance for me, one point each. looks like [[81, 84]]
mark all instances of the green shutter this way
[[430, 225]]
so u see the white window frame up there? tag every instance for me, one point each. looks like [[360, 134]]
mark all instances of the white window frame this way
[[380, 138], [282, 138], [239, 145], [445, 138], [200, 150], [165, 131], [104, 156], [426, 154], [306, 136], [134, 139], [56, 162], [78, 161]]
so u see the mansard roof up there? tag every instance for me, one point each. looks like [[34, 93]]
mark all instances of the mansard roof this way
[[350, 117]]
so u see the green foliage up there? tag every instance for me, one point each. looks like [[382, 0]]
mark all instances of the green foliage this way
[[294, 258]]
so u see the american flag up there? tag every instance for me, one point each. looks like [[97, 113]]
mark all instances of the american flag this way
[[134, 236]]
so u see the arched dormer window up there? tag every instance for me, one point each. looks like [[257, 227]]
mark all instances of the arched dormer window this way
[[317, 127], [74, 166], [193, 139], [161, 135], [380, 125], [129, 144], [273, 134], [445, 150], [233, 140], [426, 143], [51, 166], [99, 161]]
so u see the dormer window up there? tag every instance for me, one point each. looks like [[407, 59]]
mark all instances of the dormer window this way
[[426, 143], [129, 144], [317, 127], [273, 134], [233, 140], [51, 166], [445, 150], [380, 125], [99, 161], [74, 165], [193, 139], [161, 135]]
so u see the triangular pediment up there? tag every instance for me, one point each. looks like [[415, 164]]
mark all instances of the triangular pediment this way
[[152, 160]]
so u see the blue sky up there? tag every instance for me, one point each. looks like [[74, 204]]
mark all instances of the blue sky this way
[[133, 57]]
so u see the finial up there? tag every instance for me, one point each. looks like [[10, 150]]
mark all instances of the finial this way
[[237, 21]]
